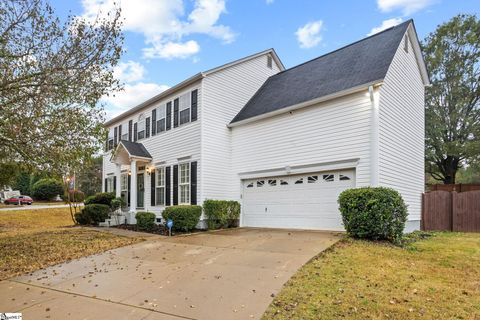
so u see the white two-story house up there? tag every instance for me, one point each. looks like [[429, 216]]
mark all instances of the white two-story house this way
[[282, 142]]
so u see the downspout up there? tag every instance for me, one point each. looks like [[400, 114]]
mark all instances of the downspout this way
[[374, 146]]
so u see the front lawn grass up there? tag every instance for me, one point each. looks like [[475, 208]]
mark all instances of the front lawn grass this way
[[35, 239], [434, 278]]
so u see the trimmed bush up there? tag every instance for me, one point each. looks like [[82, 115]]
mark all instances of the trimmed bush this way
[[47, 189], [145, 220], [184, 217], [117, 203], [221, 213], [373, 213], [93, 214], [101, 198]]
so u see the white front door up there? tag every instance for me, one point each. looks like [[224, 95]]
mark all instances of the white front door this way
[[307, 201]]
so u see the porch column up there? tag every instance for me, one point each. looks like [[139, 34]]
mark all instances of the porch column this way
[[133, 185], [118, 174]]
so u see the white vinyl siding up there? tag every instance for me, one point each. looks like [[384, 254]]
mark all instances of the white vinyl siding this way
[[323, 133], [184, 183], [160, 187], [225, 93], [401, 130]]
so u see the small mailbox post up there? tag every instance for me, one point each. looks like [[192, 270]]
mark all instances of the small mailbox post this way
[[169, 226]]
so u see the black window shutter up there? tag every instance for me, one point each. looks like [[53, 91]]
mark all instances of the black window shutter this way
[[194, 105], [130, 130], [152, 188], [167, 186], [115, 137], [119, 133], [135, 132], [106, 142], [128, 191], [147, 127], [175, 113], [115, 184], [154, 122], [106, 184], [169, 115], [193, 182], [175, 184]]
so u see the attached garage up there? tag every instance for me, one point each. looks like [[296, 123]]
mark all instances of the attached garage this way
[[306, 201]]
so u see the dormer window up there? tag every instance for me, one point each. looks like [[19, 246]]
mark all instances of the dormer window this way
[[184, 108], [161, 118], [141, 127]]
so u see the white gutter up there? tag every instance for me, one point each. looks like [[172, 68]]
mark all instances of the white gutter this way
[[307, 103], [374, 146]]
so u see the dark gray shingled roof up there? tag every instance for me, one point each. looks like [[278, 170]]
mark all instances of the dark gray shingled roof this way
[[362, 62], [135, 149]]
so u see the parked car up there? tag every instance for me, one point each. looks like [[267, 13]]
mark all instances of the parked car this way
[[17, 199]]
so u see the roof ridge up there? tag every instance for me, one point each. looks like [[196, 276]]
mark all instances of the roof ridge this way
[[346, 46]]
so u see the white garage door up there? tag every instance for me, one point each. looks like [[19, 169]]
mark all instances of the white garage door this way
[[307, 201]]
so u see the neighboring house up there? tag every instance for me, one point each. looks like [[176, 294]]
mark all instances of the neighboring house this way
[[284, 143]]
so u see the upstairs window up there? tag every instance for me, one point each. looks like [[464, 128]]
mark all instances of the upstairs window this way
[[110, 139], [269, 61], [141, 127], [124, 131], [184, 185], [184, 107], [161, 118]]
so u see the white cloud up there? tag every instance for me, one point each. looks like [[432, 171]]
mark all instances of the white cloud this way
[[269, 1], [406, 6], [309, 35], [132, 95], [129, 71], [165, 22], [385, 25], [172, 50]]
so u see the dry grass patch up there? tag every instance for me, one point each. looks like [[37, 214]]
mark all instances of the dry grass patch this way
[[34, 239], [436, 278]]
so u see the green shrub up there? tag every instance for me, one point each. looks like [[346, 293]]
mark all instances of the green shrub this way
[[373, 213], [101, 198], [75, 196], [93, 214], [47, 189], [117, 203], [145, 220], [184, 217], [221, 213]]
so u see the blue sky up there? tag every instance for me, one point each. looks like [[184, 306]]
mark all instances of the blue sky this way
[[169, 40]]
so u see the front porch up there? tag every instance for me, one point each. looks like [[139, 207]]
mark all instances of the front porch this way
[[132, 169]]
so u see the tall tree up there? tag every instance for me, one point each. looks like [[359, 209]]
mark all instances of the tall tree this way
[[452, 54], [52, 76]]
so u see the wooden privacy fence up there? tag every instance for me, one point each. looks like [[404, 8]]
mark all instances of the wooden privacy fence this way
[[451, 211], [459, 187]]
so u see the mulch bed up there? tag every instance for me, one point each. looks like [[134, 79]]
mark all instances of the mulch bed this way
[[157, 229]]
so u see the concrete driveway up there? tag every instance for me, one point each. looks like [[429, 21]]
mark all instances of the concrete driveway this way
[[230, 274]]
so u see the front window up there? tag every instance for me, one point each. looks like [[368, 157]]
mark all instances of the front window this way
[[184, 184], [110, 184], [124, 182], [160, 187], [184, 107], [161, 118], [141, 127]]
